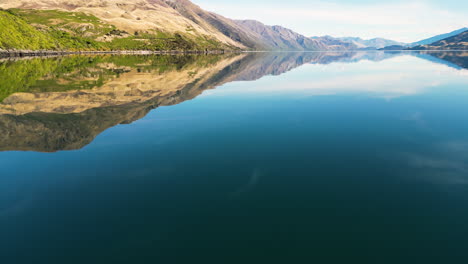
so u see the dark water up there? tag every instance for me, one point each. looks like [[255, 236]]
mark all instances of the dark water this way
[[250, 158]]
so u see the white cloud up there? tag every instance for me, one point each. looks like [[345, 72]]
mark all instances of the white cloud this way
[[408, 22]]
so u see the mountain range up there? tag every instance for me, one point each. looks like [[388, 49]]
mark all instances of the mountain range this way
[[109, 25], [141, 24], [375, 43], [386, 44]]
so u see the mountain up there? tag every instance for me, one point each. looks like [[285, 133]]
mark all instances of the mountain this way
[[129, 24], [377, 43], [457, 42], [280, 38], [394, 47], [359, 43], [227, 27], [438, 37], [142, 25]]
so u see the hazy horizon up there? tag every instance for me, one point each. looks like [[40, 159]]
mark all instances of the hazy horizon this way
[[404, 21]]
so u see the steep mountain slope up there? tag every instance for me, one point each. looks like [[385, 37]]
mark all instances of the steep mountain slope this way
[[224, 25], [135, 16], [457, 42], [439, 37], [157, 25], [52, 30], [280, 38], [80, 31], [17, 33]]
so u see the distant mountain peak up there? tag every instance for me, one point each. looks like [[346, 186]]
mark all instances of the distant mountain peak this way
[[375, 43]]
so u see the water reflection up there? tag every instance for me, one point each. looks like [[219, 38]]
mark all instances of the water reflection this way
[[63, 103], [357, 153], [457, 60]]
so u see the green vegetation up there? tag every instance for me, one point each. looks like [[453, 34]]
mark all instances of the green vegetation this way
[[154, 42], [76, 23], [43, 75], [73, 31], [16, 33], [85, 72]]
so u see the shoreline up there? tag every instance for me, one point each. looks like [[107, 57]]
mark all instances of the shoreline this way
[[37, 53], [44, 53]]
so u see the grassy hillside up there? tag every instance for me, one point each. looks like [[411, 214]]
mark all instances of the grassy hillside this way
[[16, 33], [60, 30]]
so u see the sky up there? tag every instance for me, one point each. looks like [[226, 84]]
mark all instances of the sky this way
[[405, 21]]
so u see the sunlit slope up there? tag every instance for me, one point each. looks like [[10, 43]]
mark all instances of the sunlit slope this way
[[62, 30], [161, 24], [133, 16], [16, 33]]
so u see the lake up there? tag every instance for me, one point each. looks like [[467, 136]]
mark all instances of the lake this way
[[344, 157]]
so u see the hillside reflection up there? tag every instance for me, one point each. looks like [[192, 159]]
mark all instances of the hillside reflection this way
[[63, 103]]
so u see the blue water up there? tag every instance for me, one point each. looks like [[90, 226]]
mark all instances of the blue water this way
[[348, 161]]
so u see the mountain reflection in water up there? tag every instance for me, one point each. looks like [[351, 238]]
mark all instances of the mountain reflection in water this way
[[63, 103]]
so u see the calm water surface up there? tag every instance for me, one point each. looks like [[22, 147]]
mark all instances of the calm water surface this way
[[243, 158]]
